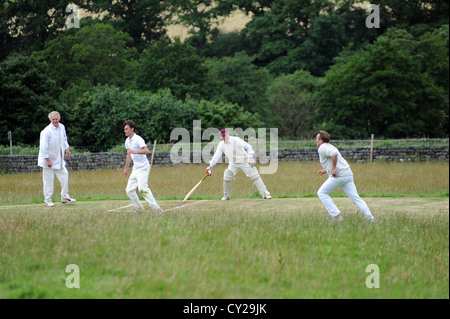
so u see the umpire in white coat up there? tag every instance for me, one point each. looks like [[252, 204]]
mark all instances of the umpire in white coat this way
[[240, 157], [339, 175], [52, 147]]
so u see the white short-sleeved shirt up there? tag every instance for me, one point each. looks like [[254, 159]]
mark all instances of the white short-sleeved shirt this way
[[136, 143], [326, 152]]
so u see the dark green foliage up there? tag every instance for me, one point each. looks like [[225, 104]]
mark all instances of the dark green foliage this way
[[389, 89], [97, 53], [294, 103], [221, 114], [175, 66], [27, 95], [238, 81], [120, 63], [200, 18], [143, 20]]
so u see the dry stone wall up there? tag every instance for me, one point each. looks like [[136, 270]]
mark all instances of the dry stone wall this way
[[13, 164]]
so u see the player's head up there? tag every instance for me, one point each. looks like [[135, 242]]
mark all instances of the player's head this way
[[322, 137], [54, 117], [129, 127], [224, 134]]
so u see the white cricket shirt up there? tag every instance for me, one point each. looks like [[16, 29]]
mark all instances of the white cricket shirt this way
[[326, 152], [136, 143]]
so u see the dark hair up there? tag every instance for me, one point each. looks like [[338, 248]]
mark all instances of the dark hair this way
[[131, 124], [324, 136]]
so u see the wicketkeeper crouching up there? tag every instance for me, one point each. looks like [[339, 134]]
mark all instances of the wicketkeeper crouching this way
[[240, 156]]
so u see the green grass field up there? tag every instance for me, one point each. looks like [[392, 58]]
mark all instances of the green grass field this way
[[284, 248]]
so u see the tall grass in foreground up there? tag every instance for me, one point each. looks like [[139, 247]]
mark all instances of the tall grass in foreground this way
[[283, 248], [293, 179]]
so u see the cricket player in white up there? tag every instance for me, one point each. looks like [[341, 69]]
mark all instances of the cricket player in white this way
[[137, 151], [340, 175], [240, 156], [52, 146]]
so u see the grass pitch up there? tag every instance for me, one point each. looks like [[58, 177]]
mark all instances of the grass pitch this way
[[284, 248]]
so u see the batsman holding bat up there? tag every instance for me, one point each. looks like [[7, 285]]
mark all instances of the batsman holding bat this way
[[240, 157]]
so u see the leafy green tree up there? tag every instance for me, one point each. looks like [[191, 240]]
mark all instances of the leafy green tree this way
[[317, 51], [418, 17], [98, 116], [27, 95], [388, 89], [293, 100], [171, 65], [30, 23], [238, 81], [105, 53], [96, 53], [162, 112], [256, 8], [143, 20], [226, 44], [7, 41], [281, 25], [201, 17], [62, 66], [224, 114]]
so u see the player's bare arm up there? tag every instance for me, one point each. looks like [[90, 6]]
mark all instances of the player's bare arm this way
[[333, 167], [127, 164], [143, 150]]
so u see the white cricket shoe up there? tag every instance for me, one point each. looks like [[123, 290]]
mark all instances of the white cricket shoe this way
[[226, 197], [68, 200], [337, 219], [49, 204]]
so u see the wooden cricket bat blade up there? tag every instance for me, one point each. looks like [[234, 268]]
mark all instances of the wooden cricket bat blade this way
[[194, 188]]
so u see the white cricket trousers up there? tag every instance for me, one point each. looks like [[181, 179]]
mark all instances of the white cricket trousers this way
[[139, 179], [48, 177], [348, 186], [251, 172]]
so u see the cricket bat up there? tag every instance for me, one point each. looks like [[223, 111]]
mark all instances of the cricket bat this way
[[194, 188]]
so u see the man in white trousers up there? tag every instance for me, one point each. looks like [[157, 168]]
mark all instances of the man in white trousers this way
[[52, 146], [137, 151], [339, 175], [240, 157]]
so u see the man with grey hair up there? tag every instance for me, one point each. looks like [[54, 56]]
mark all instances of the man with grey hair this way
[[240, 157], [52, 146]]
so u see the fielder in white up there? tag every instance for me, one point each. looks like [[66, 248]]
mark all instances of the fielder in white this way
[[240, 157], [340, 175], [137, 151], [52, 146]]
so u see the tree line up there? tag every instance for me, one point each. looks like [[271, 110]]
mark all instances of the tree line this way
[[296, 65]]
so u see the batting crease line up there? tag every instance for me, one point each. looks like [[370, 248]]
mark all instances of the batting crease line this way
[[184, 205], [113, 210], [166, 210]]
